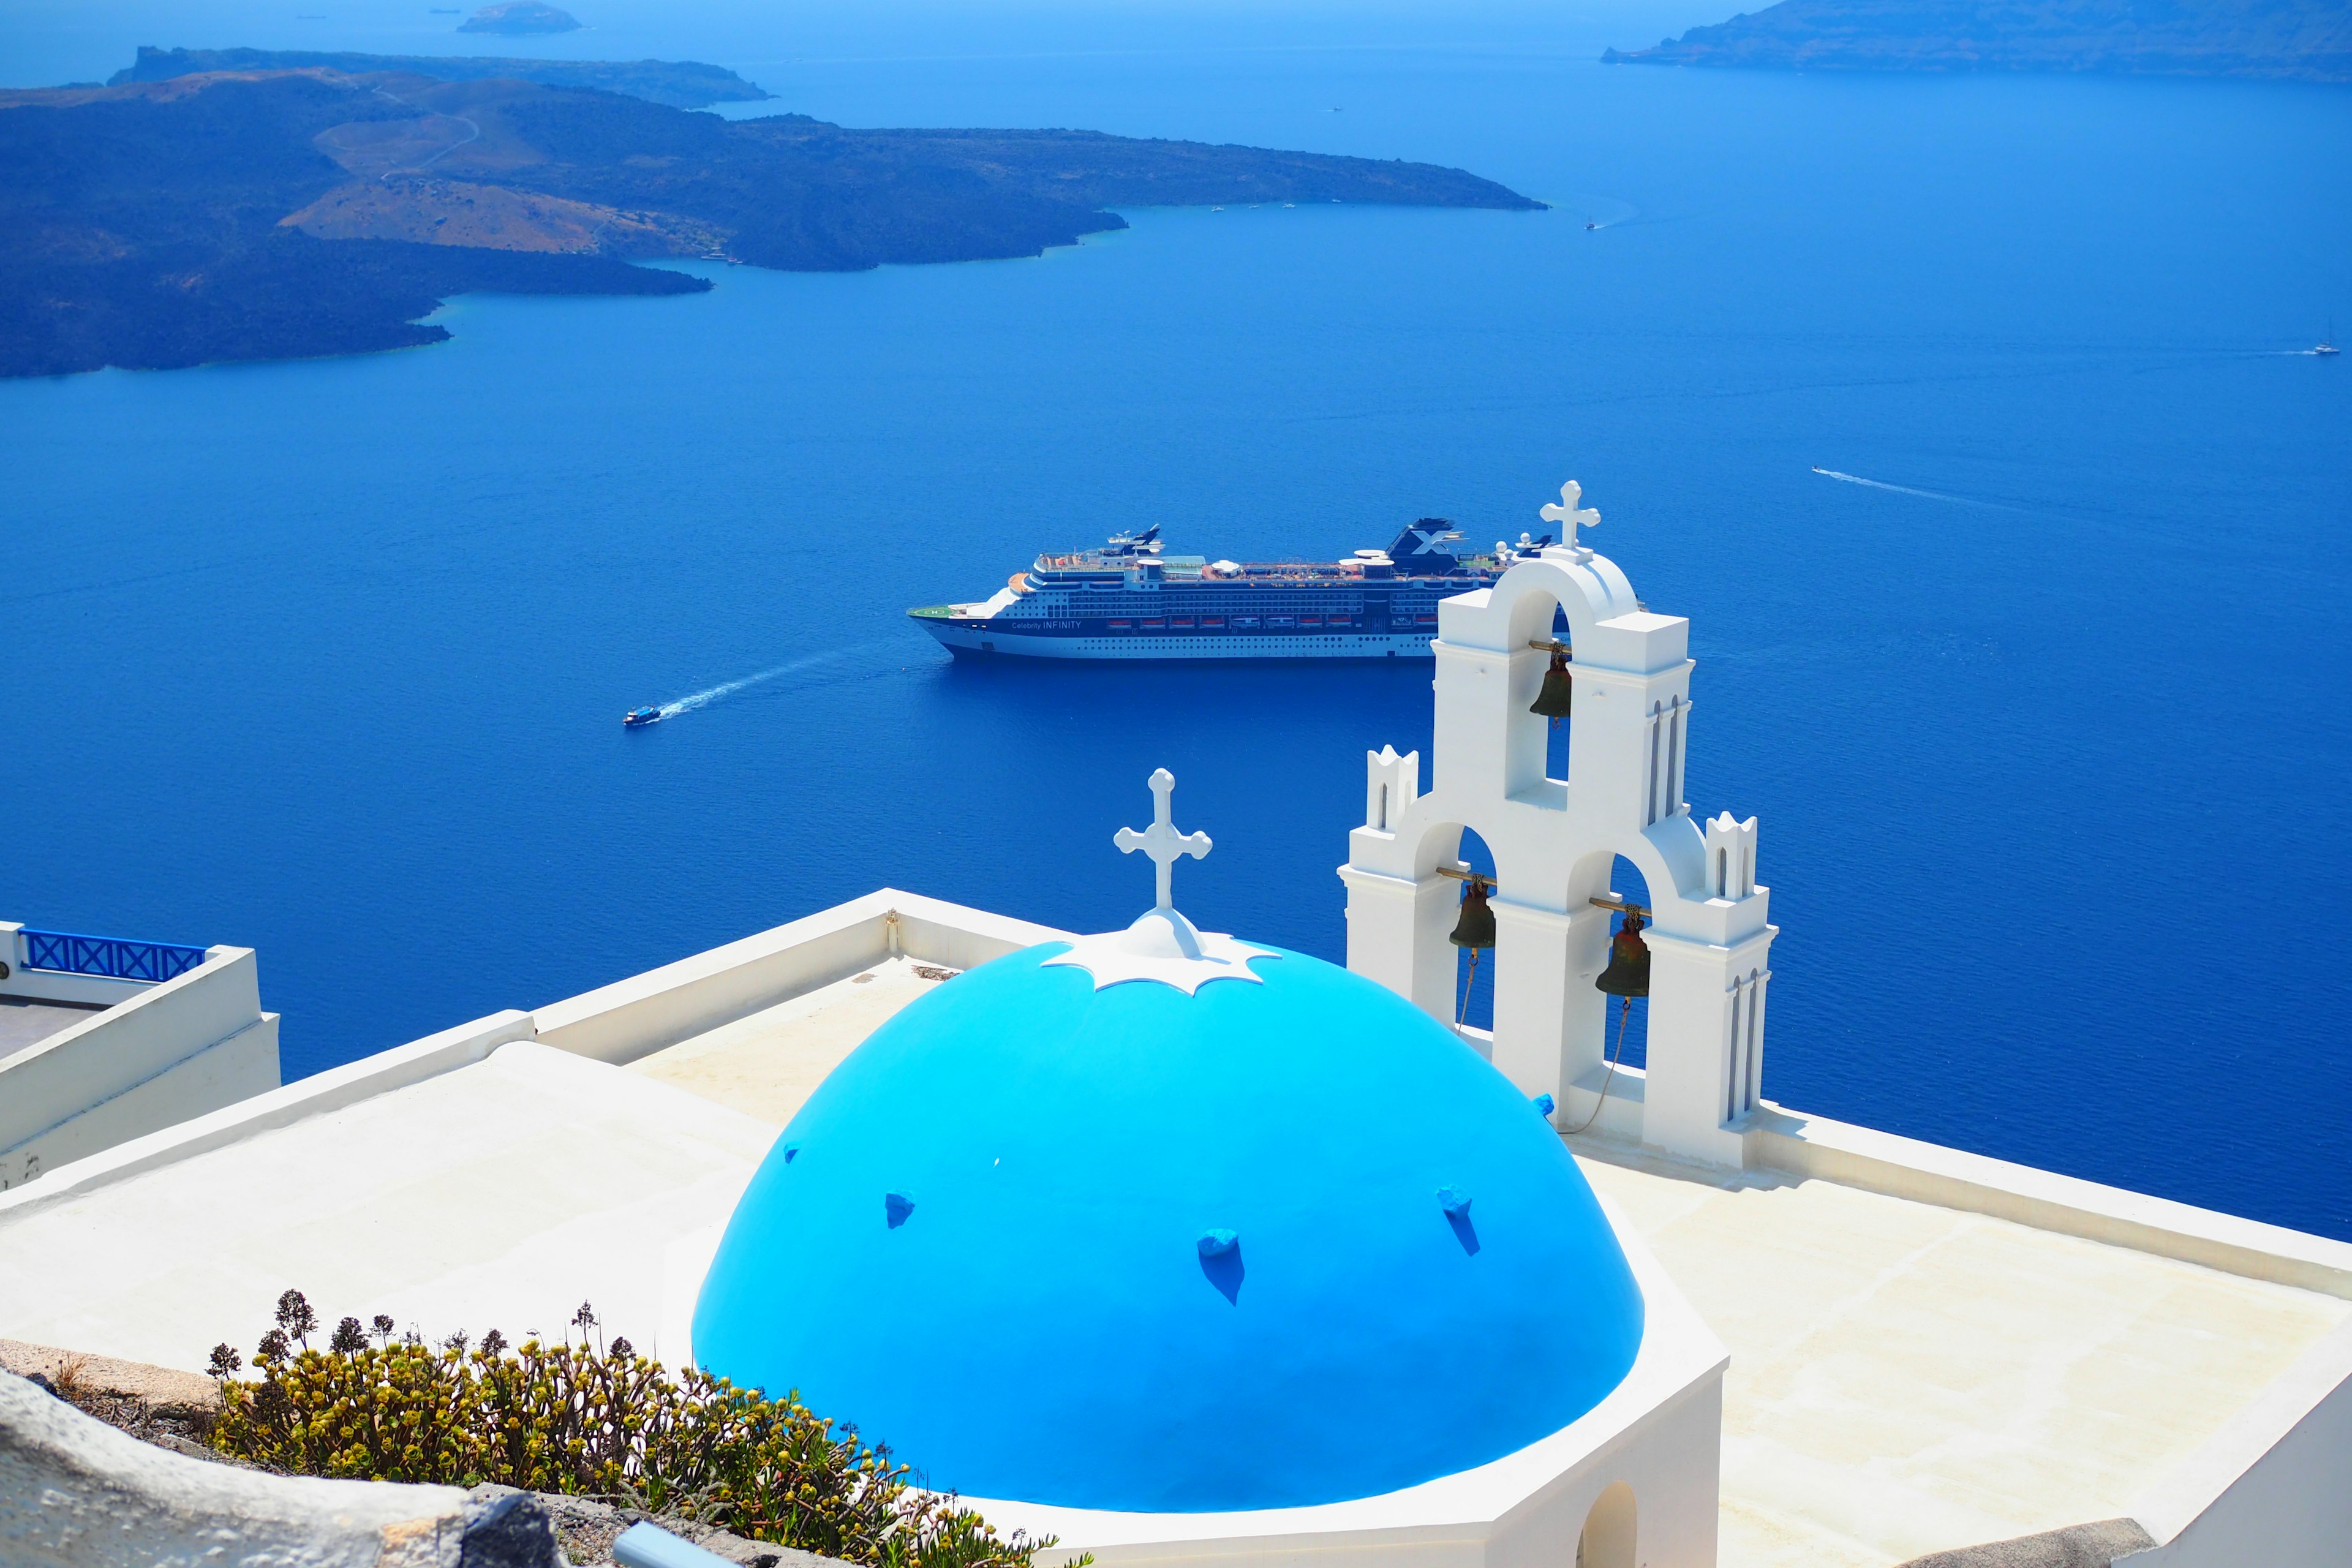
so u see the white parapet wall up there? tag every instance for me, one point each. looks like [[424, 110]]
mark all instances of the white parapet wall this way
[[150, 1056], [2270, 1487], [634, 1017], [1801, 1145], [615, 1023]]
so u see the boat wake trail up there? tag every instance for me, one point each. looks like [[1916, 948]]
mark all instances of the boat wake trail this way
[[1898, 489], [710, 694]]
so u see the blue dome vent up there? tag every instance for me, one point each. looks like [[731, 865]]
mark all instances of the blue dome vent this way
[[1176, 1249]]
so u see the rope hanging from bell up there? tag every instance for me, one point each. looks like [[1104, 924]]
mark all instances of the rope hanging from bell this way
[[1626, 977], [1472, 929]]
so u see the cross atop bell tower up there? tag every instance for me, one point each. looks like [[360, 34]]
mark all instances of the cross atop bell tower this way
[[1161, 841], [1571, 516]]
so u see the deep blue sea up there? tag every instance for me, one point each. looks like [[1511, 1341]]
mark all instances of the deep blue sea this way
[[2045, 708]]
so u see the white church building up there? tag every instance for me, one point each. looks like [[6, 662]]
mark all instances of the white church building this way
[[1260, 1262]]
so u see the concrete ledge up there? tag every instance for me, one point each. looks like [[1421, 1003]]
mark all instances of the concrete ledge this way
[[129, 1043], [636, 1017], [329, 1090], [166, 1389], [1781, 1139], [2268, 1488], [615, 1023], [957, 936], [1615, 1115], [221, 1074]]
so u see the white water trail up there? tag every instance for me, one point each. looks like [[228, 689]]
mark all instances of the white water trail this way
[[1898, 489], [1925, 495], [710, 694]]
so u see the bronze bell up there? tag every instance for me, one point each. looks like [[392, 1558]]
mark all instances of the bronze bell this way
[[1628, 974], [1552, 701], [1476, 929]]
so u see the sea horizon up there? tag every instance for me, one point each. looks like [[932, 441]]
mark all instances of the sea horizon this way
[[1969, 419]]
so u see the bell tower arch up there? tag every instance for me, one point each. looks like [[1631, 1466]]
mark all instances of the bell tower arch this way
[[1554, 841]]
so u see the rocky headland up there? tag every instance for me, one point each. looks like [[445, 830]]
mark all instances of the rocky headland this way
[[264, 214], [2307, 40], [681, 84]]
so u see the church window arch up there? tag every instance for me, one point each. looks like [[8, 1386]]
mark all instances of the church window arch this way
[[1535, 748], [1474, 979], [1610, 1531]]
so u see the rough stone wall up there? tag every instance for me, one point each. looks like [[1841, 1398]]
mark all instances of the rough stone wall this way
[[76, 1493], [2076, 1546]]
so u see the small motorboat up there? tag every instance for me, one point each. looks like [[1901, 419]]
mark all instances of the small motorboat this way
[[638, 718], [1592, 224]]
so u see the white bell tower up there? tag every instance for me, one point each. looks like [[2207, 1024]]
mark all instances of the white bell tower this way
[[1554, 841]]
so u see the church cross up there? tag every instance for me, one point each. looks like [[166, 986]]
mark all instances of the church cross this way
[[1161, 841], [1564, 512]]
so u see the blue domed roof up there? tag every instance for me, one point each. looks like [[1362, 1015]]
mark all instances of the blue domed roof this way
[[1258, 1246]]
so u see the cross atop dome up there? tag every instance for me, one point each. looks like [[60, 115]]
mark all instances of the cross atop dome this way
[[1162, 944], [1161, 841], [1566, 512]]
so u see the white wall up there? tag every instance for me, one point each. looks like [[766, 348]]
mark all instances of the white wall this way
[[2273, 1487], [1806, 1145], [170, 1052], [636, 1017]]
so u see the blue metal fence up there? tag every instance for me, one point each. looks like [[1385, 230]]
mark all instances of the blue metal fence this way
[[112, 956]]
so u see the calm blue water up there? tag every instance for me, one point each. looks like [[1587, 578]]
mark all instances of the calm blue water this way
[[2048, 741]]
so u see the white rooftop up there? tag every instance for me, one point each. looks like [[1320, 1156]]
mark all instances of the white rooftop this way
[[1904, 1376]]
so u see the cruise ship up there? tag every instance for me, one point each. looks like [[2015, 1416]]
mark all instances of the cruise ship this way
[[1130, 600]]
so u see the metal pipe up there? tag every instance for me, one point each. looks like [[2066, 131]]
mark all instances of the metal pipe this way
[[1612, 901], [1463, 874]]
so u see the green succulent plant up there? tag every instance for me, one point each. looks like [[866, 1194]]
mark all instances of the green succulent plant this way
[[592, 1420]]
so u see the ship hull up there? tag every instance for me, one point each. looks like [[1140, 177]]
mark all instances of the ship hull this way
[[979, 640]]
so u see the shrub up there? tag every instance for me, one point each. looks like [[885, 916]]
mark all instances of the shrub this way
[[596, 1421]]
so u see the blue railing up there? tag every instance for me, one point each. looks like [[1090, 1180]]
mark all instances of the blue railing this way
[[112, 956]]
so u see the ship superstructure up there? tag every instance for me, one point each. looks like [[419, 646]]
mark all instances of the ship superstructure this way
[[1130, 600]]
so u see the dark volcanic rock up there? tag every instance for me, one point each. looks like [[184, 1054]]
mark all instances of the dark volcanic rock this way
[[142, 233], [276, 215], [681, 84], [2305, 39]]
